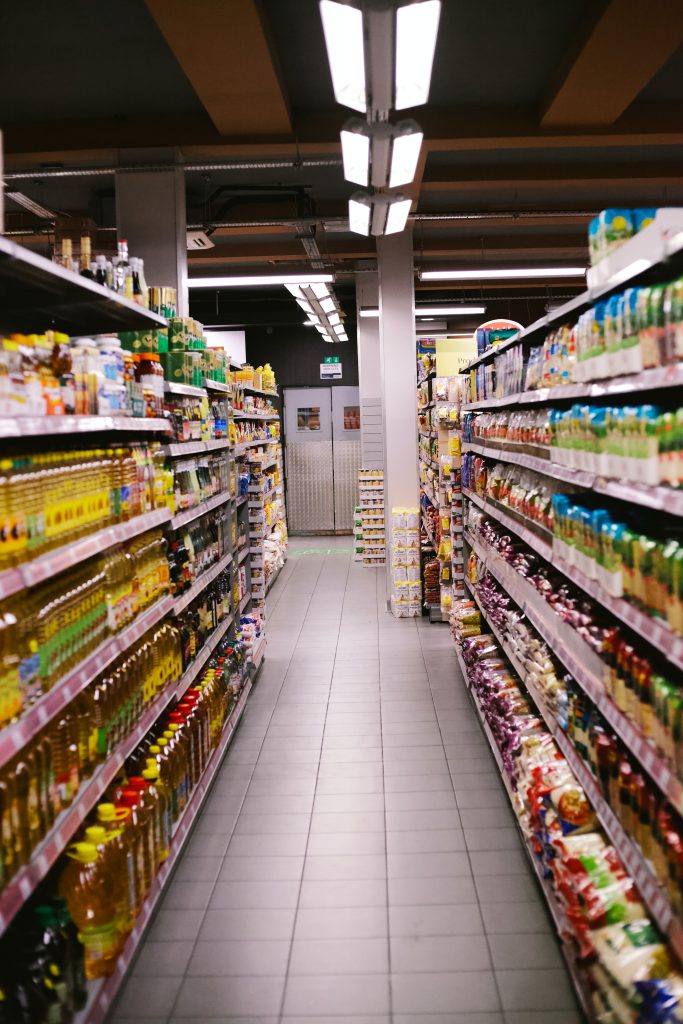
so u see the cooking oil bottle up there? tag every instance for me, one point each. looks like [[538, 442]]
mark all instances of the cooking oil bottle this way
[[92, 906]]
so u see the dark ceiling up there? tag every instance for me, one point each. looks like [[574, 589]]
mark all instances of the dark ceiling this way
[[540, 113]]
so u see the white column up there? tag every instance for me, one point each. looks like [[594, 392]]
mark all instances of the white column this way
[[150, 214], [399, 391], [369, 371]]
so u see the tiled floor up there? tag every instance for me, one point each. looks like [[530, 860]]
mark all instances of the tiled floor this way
[[356, 862]]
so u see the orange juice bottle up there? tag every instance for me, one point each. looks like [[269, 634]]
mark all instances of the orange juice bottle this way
[[91, 904], [150, 801]]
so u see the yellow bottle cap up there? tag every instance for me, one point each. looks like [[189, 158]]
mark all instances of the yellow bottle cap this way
[[150, 774], [96, 834], [154, 749], [86, 853]]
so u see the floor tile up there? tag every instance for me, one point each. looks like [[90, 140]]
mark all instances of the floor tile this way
[[338, 868], [431, 921], [148, 997], [429, 954], [340, 956], [508, 918], [534, 950], [423, 892], [231, 957], [250, 923], [255, 869], [341, 923], [439, 993], [222, 996], [335, 994], [535, 990], [367, 892]]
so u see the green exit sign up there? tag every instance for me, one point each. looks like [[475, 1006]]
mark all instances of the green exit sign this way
[[331, 359]]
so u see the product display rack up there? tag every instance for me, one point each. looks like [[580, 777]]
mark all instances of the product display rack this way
[[264, 498], [439, 434], [44, 295], [654, 637], [371, 537]]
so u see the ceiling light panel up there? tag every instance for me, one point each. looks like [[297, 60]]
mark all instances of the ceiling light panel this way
[[343, 29], [253, 281], [360, 211], [355, 143], [397, 215], [405, 153], [328, 305], [417, 26], [501, 273], [449, 310]]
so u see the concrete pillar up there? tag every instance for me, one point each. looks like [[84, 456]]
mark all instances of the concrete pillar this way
[[399, 391], [369, 371], [150, 214]]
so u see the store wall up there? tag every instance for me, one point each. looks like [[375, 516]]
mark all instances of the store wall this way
[[295, 353]]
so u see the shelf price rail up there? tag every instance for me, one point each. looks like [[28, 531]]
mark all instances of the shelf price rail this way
[[20, 887], [103, 991], [665, 499], [650, 889]]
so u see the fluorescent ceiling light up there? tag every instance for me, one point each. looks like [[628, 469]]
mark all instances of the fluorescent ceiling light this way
[[313, 319], [355, 143], [310, 323], [342, 337], [305, 306], [369, 312], [28, 204], [328, 305], [343, 29], [397, 215], [501, 273], [405, 152], [319, 327], [416, 30], [320, 290], [381, 153], [449, 310], [359, 214], [294, 290], [339, 329], [254, 281], [334, 319]]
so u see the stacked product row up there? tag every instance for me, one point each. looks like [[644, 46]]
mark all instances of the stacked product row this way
[[441, 497], [369, 531], [262, 521], [578, 681]]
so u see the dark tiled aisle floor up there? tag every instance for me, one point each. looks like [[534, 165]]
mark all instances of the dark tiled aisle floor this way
[[356, 862]]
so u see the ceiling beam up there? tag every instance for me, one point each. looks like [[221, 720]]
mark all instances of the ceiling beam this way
[[618, 54], [225, 53], [464, 178], [357, 248], [456, 129]]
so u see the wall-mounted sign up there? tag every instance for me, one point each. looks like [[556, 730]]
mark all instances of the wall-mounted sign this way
[[330, 371]]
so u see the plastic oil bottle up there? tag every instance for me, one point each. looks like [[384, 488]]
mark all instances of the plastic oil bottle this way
[[92, 906]]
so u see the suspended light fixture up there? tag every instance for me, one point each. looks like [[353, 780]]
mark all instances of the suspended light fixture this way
[[241, 281], [321, 305], [501, 273], [380, 56], [380, 154], [378, 214]]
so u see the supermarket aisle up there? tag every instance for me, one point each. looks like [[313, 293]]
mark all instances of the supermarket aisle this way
[[356, 862]]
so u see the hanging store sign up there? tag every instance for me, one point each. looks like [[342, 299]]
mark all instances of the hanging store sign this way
[[330, 371]]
